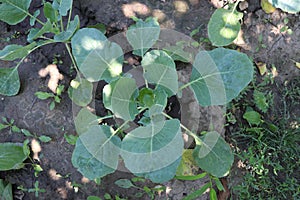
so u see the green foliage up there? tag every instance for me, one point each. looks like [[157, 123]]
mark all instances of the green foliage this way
[[14, 11], [12, 156], [213, 154], [261, 101], [15, 129], [224, 26], [290, 6], [119, 97], [252, 117], [154, 149], [56, 98], [143, 35], [268, 146], [96, 57], [36, 189], [5, 190], [9, 81], [126, 183], [80, 91], [160, 70], [96, 152], [218, 76]]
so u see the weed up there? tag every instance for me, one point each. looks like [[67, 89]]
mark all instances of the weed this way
[[36, 189], [268, 147], [56, 98]]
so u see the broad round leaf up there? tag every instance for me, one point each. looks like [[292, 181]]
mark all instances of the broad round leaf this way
[[154, 151], [220, 75], [96, 152], [119, 97], [291, 6], [9, 81], [143, 35], [224, 26], [11, 156], [160, 69], [252, 117], [96, 57], [81, 94], [14, 11], [162, 175], [84, 120], [213, 154]]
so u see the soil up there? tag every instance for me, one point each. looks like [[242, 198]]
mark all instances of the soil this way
[[279, 49]]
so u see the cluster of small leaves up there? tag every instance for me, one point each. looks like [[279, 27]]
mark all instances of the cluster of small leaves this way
[[56, 97], [15, 129]]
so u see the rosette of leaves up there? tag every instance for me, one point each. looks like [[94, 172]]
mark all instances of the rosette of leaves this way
[[154, 149]]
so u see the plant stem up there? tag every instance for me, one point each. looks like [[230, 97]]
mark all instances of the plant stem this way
[[185, 128], [103, 118], [120, 127], [61, 24], [70, 14], [22, 59], [73, 60], [146, 82]]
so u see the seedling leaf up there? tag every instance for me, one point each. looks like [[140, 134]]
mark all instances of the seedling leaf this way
[[43, 95], [124, 183], [213, 154], [33, 19], [45, 139], [5, 191], [197, 193], [252, 117], [36, 33]]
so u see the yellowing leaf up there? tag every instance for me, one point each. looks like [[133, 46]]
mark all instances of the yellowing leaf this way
[[267, 7], [262, 68], [187, 166]]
